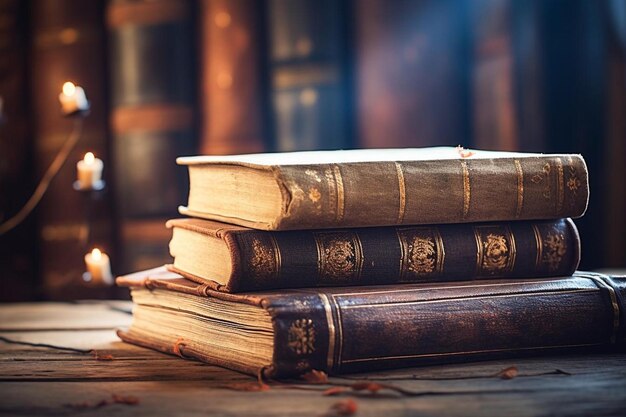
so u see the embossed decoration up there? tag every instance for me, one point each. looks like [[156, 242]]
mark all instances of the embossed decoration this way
[[520, 189], [336, 204], [301, 337], [303, 366], [313, 173], [263, 260], [496, 253], [573, 184], [422, 252], [541, 177], [467, 190], [422, 255], [339, 255], [496, 250], [401, 192], [314, 195], [554, 248], [560, 187], [340, 258]]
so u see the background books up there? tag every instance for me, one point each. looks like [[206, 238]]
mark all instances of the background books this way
[[246, 76]]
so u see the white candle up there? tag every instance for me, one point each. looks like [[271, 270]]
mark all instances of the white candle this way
[[99, 267], [73, 99], [89, 171]]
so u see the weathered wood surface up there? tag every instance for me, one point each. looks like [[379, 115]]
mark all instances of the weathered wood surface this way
[[41, 381]]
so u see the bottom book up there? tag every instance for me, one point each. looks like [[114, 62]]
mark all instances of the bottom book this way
[[352, 329]]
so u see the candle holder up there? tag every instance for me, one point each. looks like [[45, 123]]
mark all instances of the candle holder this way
[[96, 186], [78, 114]]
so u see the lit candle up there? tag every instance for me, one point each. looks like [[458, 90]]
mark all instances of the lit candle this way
[[73, 99], [89, 171], [99, 267]]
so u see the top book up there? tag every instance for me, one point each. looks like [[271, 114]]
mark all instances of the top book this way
[[384, 187]]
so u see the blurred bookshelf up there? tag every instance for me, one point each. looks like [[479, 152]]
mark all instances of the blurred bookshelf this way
[[176, 77]]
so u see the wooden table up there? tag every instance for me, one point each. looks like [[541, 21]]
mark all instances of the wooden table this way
[[65, 378]]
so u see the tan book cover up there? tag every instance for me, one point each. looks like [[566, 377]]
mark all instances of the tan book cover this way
[[384, 187]]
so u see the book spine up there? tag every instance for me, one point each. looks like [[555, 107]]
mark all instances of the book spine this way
[[320, 258], [308, 79], [428, 192], [343, 332], [152, 118], [231, 77]]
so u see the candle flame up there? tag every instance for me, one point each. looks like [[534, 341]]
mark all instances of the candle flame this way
[[96, 254], [89, 158], [69, 88]]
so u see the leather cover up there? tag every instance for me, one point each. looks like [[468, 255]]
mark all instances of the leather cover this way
[[345, 329], [385, 187], [262, 260]]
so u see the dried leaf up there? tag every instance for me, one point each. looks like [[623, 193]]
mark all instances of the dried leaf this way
[[101, 357], [315, 377], [334, 391], [248, 386], [180, 342], [345, 407], [508, 373], [372, 387], [125, 399]]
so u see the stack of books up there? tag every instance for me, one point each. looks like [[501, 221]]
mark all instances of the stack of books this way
[[344, 261]]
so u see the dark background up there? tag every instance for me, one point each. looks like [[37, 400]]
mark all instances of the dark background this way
[[177, 77]]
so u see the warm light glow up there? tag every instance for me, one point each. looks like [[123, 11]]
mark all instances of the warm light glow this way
[[69, 88], [224, 80], [89, 158], [96, 254], [222, 19]]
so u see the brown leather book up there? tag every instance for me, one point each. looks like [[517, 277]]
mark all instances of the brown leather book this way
[[384, 187], [234, 259], [347, 329]]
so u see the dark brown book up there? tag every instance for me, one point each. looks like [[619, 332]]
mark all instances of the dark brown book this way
[[340, 330], [384, 187], [235, 259]]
